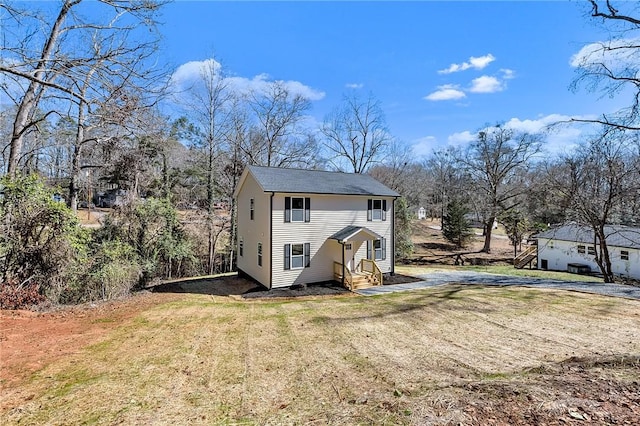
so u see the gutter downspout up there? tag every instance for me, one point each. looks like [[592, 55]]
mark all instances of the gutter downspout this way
[[393, 235], [342, 243], [271, 241]]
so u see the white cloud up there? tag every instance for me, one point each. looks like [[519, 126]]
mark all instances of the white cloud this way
[[486, 84], [560, 135], [424, 146], [189, 73], [616, 54], [354, 85], [461, 138], [446, 93], [478, 63], [508, 74]]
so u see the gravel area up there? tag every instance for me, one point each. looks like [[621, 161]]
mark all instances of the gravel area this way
[[481, 278]]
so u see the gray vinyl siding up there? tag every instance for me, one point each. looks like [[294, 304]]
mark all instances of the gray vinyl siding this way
[[329, 214], [254, 231]]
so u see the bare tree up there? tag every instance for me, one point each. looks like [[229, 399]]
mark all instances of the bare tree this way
[[72, 49], [496, 162], [594, 186], [356, 133], [278, 138], [611, 67]]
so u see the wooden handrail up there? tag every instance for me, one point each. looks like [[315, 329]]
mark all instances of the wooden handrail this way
[[337, 273], [525, 253], [371, 267]]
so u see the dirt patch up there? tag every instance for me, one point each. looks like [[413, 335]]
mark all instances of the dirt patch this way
[[575, 391], [430, 247], [31, 340]]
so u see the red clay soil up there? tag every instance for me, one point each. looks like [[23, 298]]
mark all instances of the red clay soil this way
[[31, 340]]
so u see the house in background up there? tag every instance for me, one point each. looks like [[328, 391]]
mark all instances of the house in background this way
[[306, 226], [568, 246], [422, 213]]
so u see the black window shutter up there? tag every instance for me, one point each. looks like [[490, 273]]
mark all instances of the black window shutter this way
[[369, 208], [307, 209], [287, 256], [369, 249], [383, 244], [307, 255], [384, 209], [287, 210]]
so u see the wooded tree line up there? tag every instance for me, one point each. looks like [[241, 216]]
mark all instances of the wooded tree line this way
[[87, 95]]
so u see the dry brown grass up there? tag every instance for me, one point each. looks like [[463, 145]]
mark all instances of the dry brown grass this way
[[436, 356]]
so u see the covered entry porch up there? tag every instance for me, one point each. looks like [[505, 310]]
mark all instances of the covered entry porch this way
[[355, 267]]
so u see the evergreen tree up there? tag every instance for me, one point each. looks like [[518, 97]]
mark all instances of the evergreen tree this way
[[455, 227], [404, 245]]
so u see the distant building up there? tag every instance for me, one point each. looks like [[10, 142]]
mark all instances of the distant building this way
[[422, 213], [569, 245]]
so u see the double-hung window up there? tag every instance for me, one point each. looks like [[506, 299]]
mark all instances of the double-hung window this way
[[240, 246], [624, 254], [297, 256], [251, 208], [591, 250], [297, 209], [376, 209], [581, 249], [377, 249]]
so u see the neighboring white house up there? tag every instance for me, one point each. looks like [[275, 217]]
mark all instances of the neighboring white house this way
[[422, 213], [574, 244], [299, 226]]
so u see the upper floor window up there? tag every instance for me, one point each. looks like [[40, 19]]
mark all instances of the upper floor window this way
[[581, 249], [297, 209], [591, 250], [251, 208], [624, 255], [376, 209]]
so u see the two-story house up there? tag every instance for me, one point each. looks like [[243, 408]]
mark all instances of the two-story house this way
[[306, 226]]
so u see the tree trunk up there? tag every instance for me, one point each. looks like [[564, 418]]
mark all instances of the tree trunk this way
[[30, 99], [488, 227]]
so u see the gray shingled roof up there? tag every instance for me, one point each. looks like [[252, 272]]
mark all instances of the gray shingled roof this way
[[349, 231], [273, 179], [617, 235]]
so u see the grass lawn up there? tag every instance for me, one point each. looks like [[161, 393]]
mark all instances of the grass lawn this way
[[449, 355]]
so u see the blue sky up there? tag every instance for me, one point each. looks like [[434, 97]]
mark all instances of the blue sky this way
[[441, 70]]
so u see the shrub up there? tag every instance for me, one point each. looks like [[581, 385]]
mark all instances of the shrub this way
[[40, 239], [14, 295]]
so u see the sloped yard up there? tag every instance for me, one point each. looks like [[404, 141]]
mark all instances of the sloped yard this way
[[447, 355]]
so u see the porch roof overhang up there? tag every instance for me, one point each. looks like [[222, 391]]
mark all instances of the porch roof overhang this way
[[349, 233]]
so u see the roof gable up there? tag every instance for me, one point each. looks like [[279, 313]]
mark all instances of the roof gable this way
[[300, 181]]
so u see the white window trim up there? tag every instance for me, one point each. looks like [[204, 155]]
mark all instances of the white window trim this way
[[374, 210], [377, 250], [295, 210], [291, 256]]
